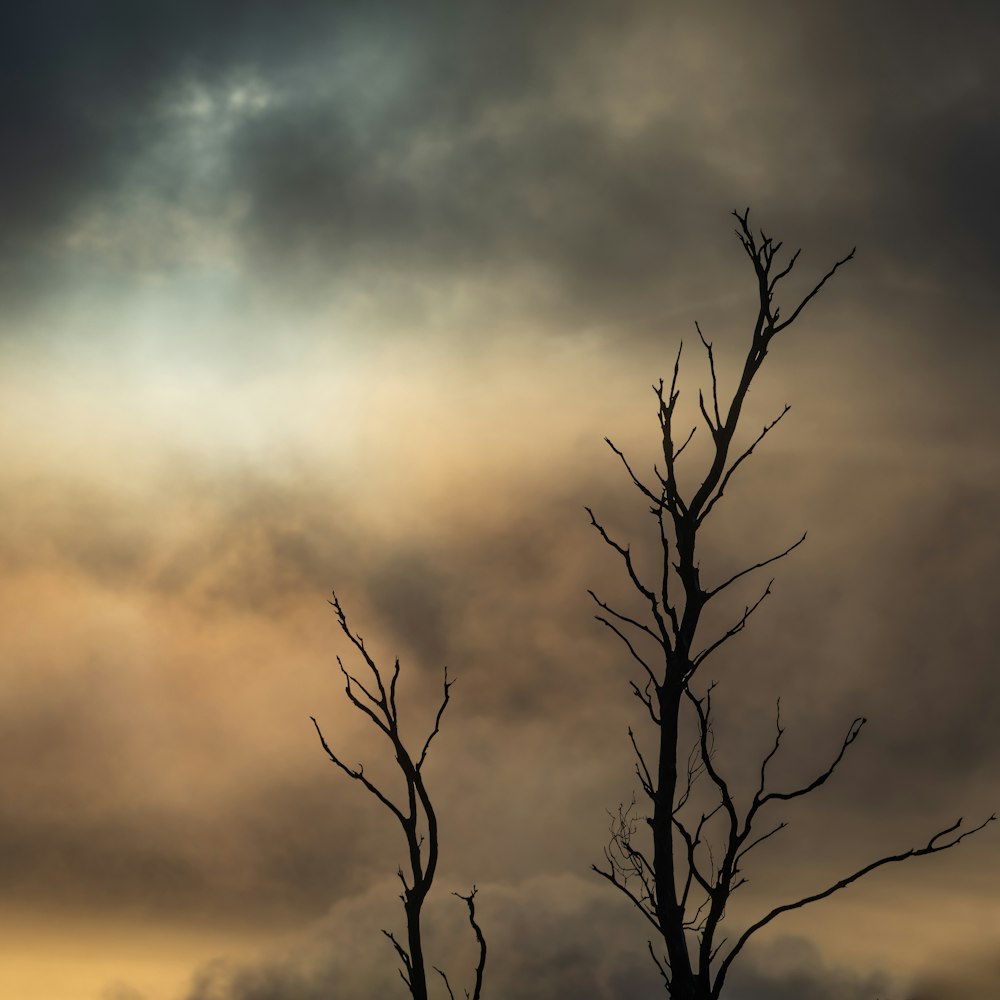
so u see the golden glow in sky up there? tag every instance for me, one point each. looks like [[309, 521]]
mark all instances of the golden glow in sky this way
[[349, 296]]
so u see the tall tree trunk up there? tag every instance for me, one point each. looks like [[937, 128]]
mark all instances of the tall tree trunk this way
[[670, 912]]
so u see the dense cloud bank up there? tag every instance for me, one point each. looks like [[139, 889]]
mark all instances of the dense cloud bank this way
[[579, 159], [548, 938]]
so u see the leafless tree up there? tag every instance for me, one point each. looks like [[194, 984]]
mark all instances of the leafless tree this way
[[681, 863], [415, 813]]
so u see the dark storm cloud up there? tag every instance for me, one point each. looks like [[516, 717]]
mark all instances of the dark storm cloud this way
[[409, 143], [486, 160], [554, 193], [80, 83], [78, 78], [909, 88], [75, 80], [461, 172], [894, 147]]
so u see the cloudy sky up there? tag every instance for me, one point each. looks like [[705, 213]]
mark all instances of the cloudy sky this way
[[311, 295]]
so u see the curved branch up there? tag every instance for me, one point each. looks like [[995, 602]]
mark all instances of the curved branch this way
[[759, 565], [852, 734], [437, 719], [826, 277], [640, 485], [359, 775], [624, 618], [628, 645], [470, 902], [932, 847]]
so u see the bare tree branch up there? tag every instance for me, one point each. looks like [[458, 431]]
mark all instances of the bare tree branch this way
[[642, 771], [406, 972], [760, 840], [624, 618], [470, 902], [628, 645], [358, 774], [739, 461], [715, 380], [852, 734], [732, 631], [437, 720], [932, 847], [625, 553], [639, 484], [646, 698], [750, 569], [659, 966], [826, 277], [447, 985]]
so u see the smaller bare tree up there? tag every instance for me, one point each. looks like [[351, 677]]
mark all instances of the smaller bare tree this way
[[416, 816]]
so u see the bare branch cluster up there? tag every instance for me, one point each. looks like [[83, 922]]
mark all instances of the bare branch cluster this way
[[414, 811], [683, 880]]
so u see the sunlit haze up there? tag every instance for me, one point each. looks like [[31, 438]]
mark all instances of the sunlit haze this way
[[314, 296]]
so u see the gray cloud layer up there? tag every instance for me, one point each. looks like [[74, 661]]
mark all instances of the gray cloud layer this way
[[578, 159], [552, 940]]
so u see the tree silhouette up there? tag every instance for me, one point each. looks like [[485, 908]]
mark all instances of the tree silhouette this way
[[681, 864], [416, 816]]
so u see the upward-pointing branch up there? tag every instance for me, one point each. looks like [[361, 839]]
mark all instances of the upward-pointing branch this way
[[417, 817]]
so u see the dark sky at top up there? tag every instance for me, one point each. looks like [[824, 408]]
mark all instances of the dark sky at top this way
[[496, 139]]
